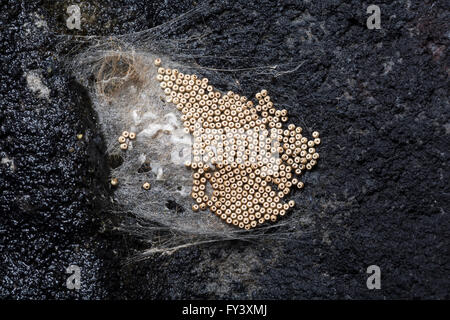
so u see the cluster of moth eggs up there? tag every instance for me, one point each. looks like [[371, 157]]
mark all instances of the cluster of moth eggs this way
[[240, 149], [124, 140]]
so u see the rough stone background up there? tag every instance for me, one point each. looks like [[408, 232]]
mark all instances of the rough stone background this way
[[379, 195]]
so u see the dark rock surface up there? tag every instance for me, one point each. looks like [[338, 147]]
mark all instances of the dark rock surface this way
[[379, 196]]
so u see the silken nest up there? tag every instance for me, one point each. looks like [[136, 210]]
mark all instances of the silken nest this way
[[195, 164]]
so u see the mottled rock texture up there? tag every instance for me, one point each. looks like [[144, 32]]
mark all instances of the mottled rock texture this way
[[380, 193]]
